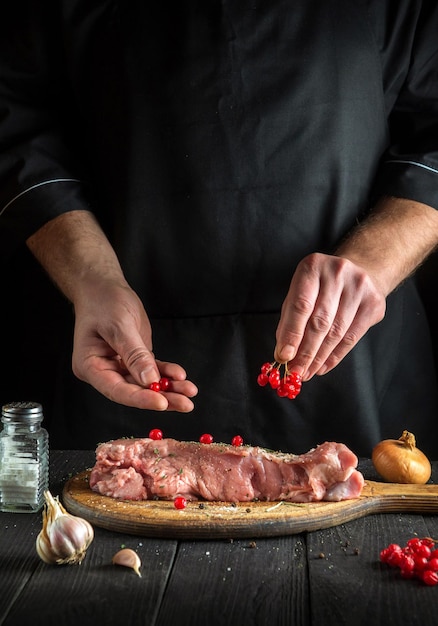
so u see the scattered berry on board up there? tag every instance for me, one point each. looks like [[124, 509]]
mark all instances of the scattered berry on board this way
[[180, 503]]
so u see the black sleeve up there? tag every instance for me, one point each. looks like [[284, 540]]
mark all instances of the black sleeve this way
[[410, 167], [39, 178]]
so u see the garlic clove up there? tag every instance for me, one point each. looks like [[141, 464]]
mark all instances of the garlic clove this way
[[64, 538], [43, 549], [128, 558]]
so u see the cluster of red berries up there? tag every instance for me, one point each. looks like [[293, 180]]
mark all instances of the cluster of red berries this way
[[162, 385], [417, 559], [288, 386]]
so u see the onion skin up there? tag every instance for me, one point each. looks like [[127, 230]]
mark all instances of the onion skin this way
[[400, 461]]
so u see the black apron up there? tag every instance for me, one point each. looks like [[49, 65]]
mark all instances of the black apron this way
[[219, 143]]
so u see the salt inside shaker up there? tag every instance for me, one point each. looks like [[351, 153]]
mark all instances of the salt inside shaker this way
[[24, 458]]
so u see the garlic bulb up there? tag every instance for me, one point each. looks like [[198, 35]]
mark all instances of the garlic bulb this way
[[64, 538], [128, 558]]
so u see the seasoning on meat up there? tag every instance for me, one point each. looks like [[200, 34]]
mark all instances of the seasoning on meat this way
[[143, 469]]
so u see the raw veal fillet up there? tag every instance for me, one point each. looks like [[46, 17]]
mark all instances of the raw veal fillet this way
[[144, 469]]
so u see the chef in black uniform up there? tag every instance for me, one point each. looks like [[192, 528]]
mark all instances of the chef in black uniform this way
[[213, 185]]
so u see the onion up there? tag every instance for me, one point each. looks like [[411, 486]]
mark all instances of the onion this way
[[400, 461]]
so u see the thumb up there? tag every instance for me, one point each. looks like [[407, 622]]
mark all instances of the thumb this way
[[140, 362]]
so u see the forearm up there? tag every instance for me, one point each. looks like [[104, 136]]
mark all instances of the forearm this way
[[112, 348], [73, 250], [393, 241]]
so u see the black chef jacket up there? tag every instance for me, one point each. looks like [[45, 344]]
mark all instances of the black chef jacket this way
[[218, 143]]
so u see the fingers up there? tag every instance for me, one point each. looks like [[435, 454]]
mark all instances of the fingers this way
[[296, 311], [141, 363], [124, 375], [111, 378], [368, 314], [112, 351], [330, 305]]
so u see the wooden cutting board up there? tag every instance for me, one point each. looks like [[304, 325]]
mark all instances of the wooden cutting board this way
[[216, 520]]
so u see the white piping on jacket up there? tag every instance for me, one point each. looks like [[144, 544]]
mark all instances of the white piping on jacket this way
[[46, 182], [425, 167]]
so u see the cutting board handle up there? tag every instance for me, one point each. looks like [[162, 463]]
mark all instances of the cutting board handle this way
[[400, 497]]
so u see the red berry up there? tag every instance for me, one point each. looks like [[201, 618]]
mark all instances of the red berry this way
[[395, 559], [407, 565], [394, 547], [423, 550], [262, 380], [206, 438], [434, 554], [282, 390], [164, 384], [384, 554], [429, 577], [237, 441], [293, 392], [180, 502], [420, 562], [156, 434], [433, 564], [155, 386], [391, 554], [274, 379], [266, 368], [294, 378]]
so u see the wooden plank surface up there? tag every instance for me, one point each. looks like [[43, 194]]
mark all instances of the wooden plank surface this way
[[330, 576], [349, 585], [257, 582], [159, 518]]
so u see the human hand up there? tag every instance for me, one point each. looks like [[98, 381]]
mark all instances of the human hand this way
[[113, 350], [330, 305]]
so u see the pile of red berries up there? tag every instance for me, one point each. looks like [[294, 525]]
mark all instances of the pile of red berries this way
[[287, 386], [417, 559]]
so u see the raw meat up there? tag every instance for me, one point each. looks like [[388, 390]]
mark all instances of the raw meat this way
[[142, 469]]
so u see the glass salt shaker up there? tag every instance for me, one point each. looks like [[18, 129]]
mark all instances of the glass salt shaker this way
[[24, 458]]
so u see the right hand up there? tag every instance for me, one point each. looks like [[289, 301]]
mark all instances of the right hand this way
[[112, 350], [331, 303]]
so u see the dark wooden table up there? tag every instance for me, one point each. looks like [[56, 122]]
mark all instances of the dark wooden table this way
[[321, 578]]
